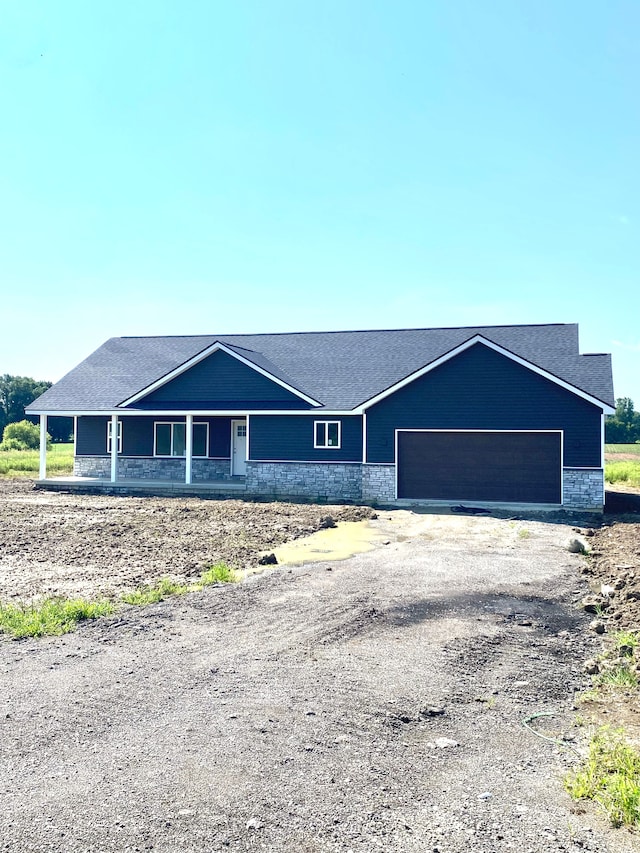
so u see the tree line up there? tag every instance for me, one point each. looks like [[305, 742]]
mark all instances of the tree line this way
[[17, 392], [624, 426]]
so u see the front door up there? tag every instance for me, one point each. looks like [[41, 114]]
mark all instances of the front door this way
[[238, 448]]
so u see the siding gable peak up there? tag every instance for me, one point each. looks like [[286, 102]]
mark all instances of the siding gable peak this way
[[483, 341], [218, 346]]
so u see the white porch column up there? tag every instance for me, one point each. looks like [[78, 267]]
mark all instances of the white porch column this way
[[43, 447], [188, 449], [114, 448]]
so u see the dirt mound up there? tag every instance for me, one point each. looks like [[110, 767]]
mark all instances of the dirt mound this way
[[615, 566]]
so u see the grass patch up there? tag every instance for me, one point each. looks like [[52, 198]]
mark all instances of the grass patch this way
[[590, 695], [26, 463], [611, 777], [619, 676], [617, 669], [218, 573], [60, 615], [627, 641], [152, 593], [51, 616], [623, 472], [165, 587]]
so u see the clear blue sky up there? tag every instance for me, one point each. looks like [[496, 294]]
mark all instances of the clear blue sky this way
[[275, 165]]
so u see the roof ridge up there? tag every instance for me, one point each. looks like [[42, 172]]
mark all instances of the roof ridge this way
[[352, 331]]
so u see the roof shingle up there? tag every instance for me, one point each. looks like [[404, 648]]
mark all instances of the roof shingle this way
[[340, 369]]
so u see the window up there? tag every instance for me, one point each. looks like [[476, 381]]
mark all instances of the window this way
[[326, 434], [171, 439], [109, 437]]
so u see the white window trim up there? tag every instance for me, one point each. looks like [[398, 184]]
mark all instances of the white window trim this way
[[109, 437], [326, 446], [179, 423]]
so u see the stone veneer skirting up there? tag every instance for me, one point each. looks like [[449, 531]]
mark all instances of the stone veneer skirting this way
[[92, 466], [583, 488], [332, 481], [378, 483], [146, 468]]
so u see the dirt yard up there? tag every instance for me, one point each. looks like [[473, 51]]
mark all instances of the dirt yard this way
[[53, 543], [374, 703]]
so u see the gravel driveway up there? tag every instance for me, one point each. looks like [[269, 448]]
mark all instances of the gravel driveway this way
[[370, 704]]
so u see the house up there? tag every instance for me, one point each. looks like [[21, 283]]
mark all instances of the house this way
[[498, 415]]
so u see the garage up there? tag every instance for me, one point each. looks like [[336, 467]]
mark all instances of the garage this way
[[460, 465]]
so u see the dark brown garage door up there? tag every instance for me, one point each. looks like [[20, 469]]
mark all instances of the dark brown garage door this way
[[516, 467]]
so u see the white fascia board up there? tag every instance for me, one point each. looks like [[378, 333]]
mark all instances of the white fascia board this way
[[215, 347], [507, 353], [205, 413]]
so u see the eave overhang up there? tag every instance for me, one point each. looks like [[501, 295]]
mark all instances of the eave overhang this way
[[204, 413]]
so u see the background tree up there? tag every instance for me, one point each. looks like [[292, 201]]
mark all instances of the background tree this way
[[21, 435], [16, 392], [59, 428], [624, 426]]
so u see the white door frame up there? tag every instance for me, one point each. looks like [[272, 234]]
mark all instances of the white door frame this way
[[243, 422]]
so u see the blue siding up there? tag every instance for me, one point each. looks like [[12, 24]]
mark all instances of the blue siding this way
[[290, 437], [482, 389], [138, 435], [219, 437], [91, 436], [221, 382]]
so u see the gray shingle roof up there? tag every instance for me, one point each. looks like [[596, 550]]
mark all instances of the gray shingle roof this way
[[339, 369]]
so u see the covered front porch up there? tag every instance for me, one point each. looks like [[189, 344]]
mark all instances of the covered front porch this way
[[150, 453]]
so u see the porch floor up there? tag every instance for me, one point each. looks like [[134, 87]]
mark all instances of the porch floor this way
[[163, 488]]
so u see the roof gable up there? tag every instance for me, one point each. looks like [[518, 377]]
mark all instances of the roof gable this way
[[482, 341], [220, 374]]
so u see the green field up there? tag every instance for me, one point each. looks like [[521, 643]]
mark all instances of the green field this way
[[622, 464], [26, 463], [633, 449]]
